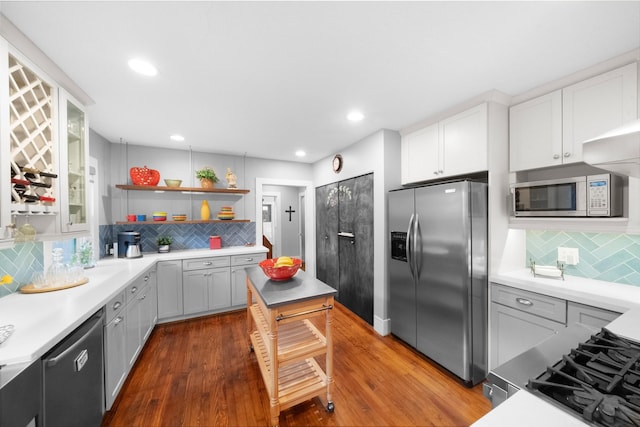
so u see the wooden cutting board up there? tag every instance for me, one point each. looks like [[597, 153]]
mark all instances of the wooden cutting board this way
[[31, 289]]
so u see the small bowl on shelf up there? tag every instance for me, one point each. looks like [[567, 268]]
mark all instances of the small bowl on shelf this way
[[159, 218], [179, 217], [173, 182], [280, 273]]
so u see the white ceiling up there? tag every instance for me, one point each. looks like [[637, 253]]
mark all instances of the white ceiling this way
[[267, 78]]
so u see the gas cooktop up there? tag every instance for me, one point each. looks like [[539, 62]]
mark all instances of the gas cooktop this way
[[599, 381]]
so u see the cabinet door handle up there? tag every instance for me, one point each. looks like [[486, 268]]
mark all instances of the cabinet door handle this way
[[567, 154], [248, 259], [556, 156], [207, 263], [117, 320], [117, 305], [134, 290], [524, 301], [146, 278]]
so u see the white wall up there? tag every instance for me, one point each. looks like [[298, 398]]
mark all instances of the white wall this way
[[181, 164], [378, 153]]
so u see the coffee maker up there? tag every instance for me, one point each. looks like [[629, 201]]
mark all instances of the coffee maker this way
[[129, 245]]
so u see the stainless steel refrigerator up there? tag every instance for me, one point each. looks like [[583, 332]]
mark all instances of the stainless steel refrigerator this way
[[438, 274]]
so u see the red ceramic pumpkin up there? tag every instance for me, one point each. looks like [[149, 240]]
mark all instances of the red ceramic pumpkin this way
[[144, 176]]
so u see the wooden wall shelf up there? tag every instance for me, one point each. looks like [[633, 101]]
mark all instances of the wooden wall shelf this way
[[182, 189], [192, 221]]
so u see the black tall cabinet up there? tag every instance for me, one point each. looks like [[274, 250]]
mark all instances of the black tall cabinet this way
[[344, 242]]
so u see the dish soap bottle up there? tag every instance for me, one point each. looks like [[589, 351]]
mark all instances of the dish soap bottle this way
[[205, 212]]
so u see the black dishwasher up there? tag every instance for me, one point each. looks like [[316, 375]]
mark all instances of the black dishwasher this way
[[73, 378]]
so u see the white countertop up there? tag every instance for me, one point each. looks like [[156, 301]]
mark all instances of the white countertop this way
[[41, 320], [607, 295], [527, 410]]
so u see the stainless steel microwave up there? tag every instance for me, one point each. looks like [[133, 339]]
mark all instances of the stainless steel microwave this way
[[591, 195]]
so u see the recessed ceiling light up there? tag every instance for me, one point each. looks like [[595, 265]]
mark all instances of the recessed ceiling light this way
[[177, 137], [355, 116], [142, 67], [300, 153]]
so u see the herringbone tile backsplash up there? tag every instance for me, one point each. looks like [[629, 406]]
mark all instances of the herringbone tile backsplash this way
[[603, 256], [185, 236], [25, 259], [20, 262]]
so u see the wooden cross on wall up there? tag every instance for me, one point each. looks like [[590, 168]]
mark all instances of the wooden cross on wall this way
[[290, 211]]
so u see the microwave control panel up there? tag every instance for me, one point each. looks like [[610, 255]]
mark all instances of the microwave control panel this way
[[602, 195]]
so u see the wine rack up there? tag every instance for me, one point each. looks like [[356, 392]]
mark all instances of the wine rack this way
[[33, 157]]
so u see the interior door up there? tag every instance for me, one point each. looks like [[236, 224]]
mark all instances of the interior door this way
[[355, 245], [327, 234]]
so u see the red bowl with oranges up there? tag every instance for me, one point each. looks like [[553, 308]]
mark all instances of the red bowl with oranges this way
[[280, 273]]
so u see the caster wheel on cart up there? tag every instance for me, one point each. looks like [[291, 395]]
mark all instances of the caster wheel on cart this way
[[330, 407]]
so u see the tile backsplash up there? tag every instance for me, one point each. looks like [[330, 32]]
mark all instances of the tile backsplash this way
[[24, 259], [20, 262], [185, 236], [603, 256]]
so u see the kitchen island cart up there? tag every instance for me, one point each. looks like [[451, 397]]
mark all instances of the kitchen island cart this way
[[285, 339]]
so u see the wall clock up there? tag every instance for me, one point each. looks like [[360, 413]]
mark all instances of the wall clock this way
[[337, 163]]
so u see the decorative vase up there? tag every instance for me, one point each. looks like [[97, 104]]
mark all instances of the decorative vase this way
[[206, 183], [205, 212], [163, 248]]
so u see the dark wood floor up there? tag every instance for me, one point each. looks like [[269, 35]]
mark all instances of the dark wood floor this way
[[202, 373]]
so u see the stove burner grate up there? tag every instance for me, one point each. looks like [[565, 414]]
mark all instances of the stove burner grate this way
[[599, 381]]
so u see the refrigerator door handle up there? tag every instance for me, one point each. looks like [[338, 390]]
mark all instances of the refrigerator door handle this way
[[409, 247], [417, 249]]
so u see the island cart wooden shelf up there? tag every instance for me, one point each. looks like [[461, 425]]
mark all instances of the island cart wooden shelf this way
[[286, 341], [182, 189]]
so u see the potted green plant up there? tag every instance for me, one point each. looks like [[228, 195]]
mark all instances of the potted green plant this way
[[164, 243], [207, 177]]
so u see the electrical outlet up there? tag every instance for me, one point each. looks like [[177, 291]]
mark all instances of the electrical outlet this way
[[569, 256]]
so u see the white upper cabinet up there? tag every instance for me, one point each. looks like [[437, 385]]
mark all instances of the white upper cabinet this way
[[74, 161], [32, 139], [5, 152], [453, 146], [549, 130], [535, 133], [597, 105], [421, 155], [464, 142]]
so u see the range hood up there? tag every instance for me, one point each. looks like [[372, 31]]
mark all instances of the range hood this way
[[617, 151]]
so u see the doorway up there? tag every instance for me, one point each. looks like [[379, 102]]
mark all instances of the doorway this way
[[271, 221], [304, 232]]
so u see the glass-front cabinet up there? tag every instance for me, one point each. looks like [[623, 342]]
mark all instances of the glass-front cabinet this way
[[5, 153], [74, 160]]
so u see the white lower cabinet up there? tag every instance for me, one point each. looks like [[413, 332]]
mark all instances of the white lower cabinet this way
[[169, 289], [239, 276], [206, 285], [131, 316], [521, 319], [588, 315], [195, 286], [206, 290], [116, 367]]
